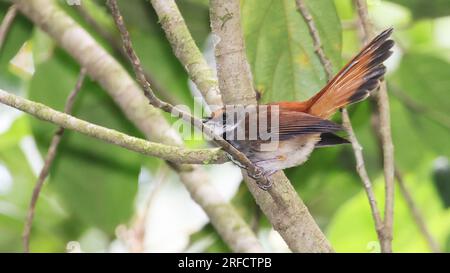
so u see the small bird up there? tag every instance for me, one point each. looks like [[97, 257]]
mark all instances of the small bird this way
[[299, 127]]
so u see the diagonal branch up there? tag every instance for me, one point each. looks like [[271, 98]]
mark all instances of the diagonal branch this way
[[116, 45], [383, 110], [405, 192], [51, 154], [281, 204], [362, 172], [357, 149]]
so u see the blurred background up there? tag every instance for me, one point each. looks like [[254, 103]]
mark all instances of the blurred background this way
[[101, 198]]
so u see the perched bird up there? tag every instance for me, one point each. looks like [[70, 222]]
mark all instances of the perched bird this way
[[297, 128]]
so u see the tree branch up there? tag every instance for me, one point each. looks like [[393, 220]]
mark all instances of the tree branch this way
[[382, 100], [128, 96], [48, 162], [415, 212], [173, 154], [6, 23], [357, 149], [186, 50], [281, 204]]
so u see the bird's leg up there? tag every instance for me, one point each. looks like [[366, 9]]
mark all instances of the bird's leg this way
[[237, 163], [256, 176]]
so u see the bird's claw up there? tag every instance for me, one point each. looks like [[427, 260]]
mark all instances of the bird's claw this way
[[265, 187], [256, 174]]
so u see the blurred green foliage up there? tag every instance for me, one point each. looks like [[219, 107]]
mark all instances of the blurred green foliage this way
[[93, 185]]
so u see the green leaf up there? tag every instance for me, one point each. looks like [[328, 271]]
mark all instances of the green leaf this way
[[162, 64], [97, 181], [19, 129], [280, 48]]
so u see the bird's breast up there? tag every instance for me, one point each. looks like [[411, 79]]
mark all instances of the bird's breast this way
[[290, 153]]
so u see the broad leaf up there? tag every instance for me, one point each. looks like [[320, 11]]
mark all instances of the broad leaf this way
[[280, 48]]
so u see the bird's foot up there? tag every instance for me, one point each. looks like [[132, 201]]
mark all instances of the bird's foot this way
[[256, 175], [265, 186], [265, 183]]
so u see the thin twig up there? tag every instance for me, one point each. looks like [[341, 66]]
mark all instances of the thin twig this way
[[156, 102], [318, 47], [386, 138], [366, 27], [362, 172], [48, 162], [117, 47], [6, 23], [416, 214], [175, 154], [357, 149]]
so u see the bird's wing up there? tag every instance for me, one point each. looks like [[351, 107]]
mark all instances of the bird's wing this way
[[293, 123]]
